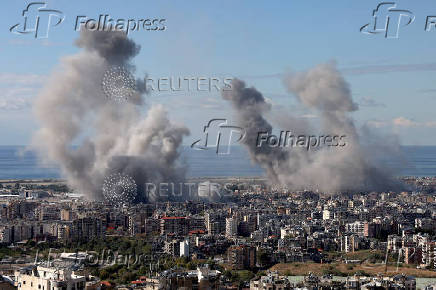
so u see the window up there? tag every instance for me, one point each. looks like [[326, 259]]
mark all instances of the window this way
[[39, 286], [24, 282]]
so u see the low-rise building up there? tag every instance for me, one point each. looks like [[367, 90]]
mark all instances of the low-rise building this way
[[48, 278]]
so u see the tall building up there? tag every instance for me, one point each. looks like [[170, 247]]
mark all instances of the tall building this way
[[327, 214], [86, 228], [371, 230], [174, 225], [196, 223], [68, 215], [349, 243], [172, 247], [151, 226], [242, 257], [184, 248], [251, 221], [215, 223], [357, 228], [48, 212], [231, 227]]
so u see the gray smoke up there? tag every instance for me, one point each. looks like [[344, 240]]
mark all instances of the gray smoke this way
[[89, 135], [251, 106], [325, 92]]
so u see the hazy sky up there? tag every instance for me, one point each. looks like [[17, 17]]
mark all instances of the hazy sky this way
[[392, 80]]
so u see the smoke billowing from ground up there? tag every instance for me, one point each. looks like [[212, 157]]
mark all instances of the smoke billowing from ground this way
[[325, 92], [115, 138], [111, 137]]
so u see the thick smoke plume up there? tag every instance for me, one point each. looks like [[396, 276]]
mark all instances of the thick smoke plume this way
[[89, 135], [325, 92]]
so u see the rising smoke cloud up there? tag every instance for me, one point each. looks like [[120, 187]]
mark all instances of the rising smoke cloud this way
[[324, 91], [89, 135]]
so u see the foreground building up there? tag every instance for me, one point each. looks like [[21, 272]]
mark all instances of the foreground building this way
[[48, 278], [271, 281]]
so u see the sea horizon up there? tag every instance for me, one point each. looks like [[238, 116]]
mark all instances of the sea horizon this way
[[17, 163]]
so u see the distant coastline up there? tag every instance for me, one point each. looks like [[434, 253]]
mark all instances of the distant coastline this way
[[17, 164]]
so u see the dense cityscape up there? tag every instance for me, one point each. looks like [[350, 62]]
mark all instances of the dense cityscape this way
[[258, 238], [213, 145]]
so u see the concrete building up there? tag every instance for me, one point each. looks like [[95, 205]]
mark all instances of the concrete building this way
[[242, 257], [172, 247], [349, 243], [184, 248], [215, 223], [231, 227], [48, 278], [394, 242], [327, 214], [357, 228], [5, 235], [174, 225], [271, 281], [371, 230]]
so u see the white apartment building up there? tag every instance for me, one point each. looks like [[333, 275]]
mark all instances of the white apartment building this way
[[231, 227], [184, 248], [48, 278], [327, 214], [357, 228]]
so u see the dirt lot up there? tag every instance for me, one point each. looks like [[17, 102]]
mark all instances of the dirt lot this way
[[301, 269]]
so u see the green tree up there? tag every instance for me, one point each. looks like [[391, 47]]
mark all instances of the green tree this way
[[245, 275], [103, 274], [263, 258]]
